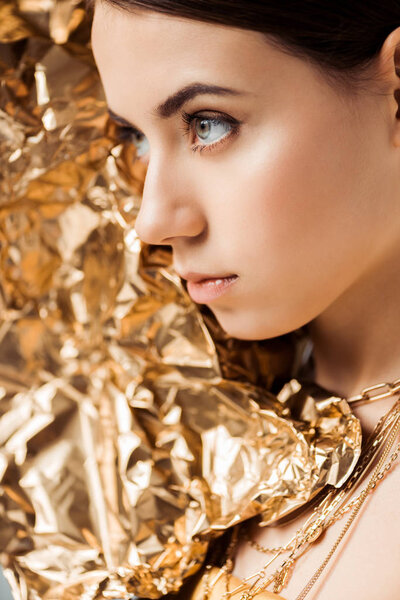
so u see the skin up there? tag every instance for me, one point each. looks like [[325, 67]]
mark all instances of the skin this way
[[303, 205]]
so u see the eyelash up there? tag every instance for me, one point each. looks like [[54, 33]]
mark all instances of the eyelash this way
[[125, 133], [188, 119]]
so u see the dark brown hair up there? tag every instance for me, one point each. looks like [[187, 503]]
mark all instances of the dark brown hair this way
[[341, 38]]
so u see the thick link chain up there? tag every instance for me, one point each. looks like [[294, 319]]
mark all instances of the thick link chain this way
[[322, 516], [387, 389], [320, 519], [361, 499]]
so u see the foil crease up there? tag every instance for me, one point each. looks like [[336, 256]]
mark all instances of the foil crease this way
[[132, 430]]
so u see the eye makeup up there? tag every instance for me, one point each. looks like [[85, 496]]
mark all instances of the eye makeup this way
[[193, 119], [128, 133]]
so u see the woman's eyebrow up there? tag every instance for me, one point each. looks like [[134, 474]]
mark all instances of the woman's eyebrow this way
[[173, 103]]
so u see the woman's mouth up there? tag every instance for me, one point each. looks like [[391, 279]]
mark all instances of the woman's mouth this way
[[205, 290]]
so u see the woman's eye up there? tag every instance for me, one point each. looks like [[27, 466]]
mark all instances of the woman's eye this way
[[211, 131], [138, 139]]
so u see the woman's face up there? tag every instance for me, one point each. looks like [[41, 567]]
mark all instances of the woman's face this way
[[287, 183]]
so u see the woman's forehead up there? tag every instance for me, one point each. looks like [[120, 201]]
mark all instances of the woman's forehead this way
[[157, 54], [152, 38]]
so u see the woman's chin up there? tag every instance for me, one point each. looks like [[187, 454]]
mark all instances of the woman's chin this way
[[247, 325]]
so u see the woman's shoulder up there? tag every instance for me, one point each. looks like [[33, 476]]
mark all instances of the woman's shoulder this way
[[195, 589]]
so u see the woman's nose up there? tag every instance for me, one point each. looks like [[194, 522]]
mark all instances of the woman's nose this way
[[168, 209]]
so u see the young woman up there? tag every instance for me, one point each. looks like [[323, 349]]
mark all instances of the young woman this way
[[271, 136]]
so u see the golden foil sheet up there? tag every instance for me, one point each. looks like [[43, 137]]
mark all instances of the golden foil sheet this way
[[133, 430]]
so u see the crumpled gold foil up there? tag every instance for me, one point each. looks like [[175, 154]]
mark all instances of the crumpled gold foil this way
[[132, 429]]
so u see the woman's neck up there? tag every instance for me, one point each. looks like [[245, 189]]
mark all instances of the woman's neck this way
[[356, 341]]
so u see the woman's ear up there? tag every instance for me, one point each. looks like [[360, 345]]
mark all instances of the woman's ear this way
[[389, 74]]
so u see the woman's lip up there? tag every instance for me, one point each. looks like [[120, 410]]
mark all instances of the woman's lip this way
[[196, 277], [206, 290]]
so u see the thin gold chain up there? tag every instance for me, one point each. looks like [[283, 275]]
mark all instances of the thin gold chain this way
[[264, 549], [226, 569], [312, 532], [363, 496], [377, 437], [384, 434], [289, 546], [282, 574], [379, 478]]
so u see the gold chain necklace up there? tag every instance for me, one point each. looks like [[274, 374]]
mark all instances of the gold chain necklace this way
[[366, 397], [327, 512]]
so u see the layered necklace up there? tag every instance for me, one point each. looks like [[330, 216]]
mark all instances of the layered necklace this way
[[380, 453]]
